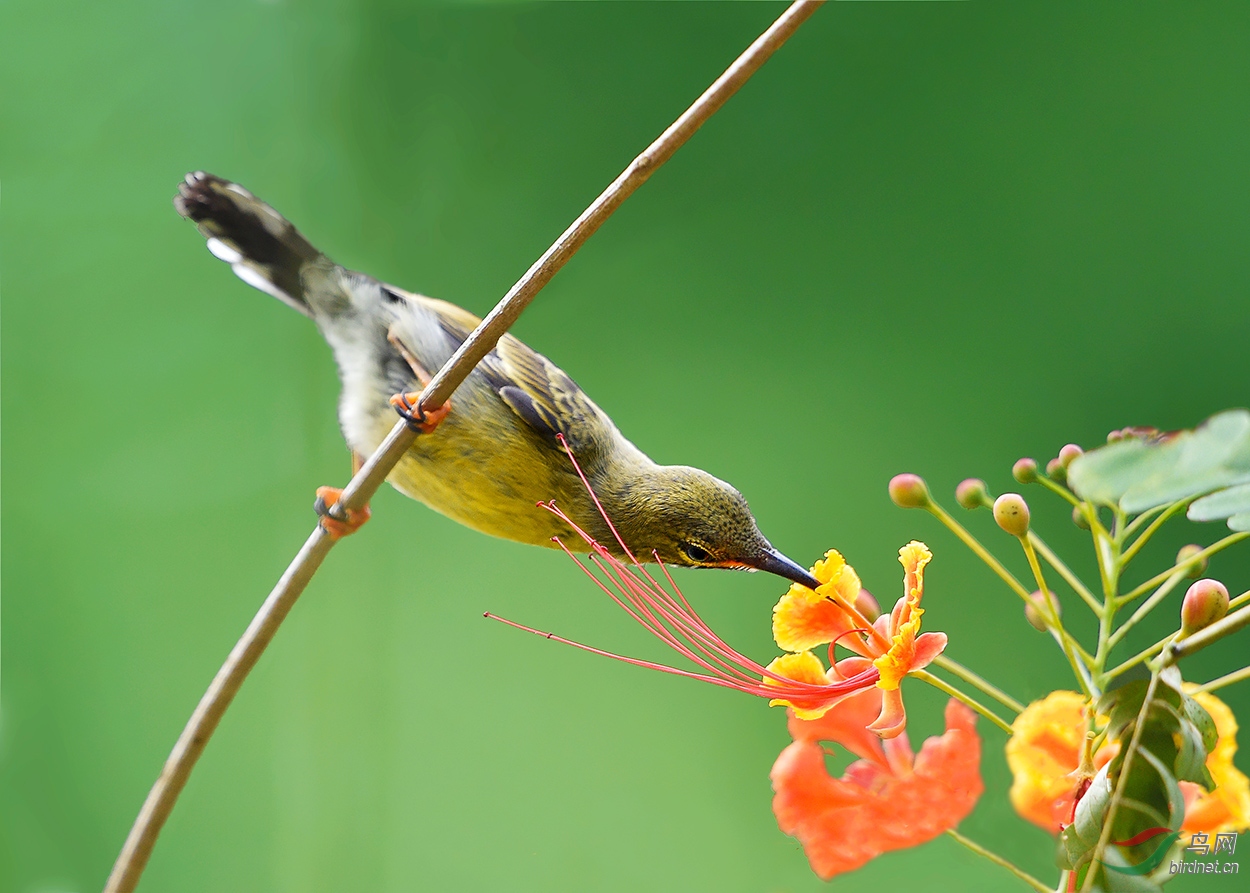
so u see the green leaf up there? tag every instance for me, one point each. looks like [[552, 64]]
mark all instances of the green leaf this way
[[1221, 505], [1141, 473], [1198, 715], [1191, 757], [1175, 799]]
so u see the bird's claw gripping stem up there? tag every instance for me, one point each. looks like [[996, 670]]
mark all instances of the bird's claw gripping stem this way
[[409, 408], [327, 497]]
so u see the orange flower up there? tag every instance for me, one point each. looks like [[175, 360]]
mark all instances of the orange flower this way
[[1044, 752], [888, 800], [805, 618]]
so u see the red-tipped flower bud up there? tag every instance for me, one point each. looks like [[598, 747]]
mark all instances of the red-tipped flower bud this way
[[1078, 518], [1205, 602], [972, 493], [867, 605], [1198, 568], [1057, 471], [1025, 470], [909, 491], [1068, 453], [1011, 513], [1036, 611]]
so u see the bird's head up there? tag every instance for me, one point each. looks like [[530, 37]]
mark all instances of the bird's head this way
[[692, 519]]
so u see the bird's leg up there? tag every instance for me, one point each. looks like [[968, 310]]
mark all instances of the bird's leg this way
[[327, 497], [408, 405]]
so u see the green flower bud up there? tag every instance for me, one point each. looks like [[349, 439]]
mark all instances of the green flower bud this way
[[1011, 513], [1068, 453], [1078, 518], [1198, 568], [909, 491], [1036, 611], [867, 605], [972, 493], [1025, 470], [1057, 471], [1205, 602]]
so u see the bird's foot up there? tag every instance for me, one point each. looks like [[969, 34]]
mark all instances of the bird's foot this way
[[327, 497], [419, 420]]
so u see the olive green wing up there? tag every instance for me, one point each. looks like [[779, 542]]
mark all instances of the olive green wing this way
[[538, 391]]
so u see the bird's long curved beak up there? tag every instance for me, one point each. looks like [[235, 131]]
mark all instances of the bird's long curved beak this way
[[776, 563]]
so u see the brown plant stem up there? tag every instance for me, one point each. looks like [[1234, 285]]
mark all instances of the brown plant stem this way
[[164, 794]]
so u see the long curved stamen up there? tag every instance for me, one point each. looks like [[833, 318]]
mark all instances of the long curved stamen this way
[[671, 618]]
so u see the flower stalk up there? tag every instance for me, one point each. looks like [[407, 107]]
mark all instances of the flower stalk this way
[[968, 700], [999, 861]]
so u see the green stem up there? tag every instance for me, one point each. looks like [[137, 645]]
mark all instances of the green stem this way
[[1057, 489], [1108, 553], [1062, 569], [1145, 608], [979, 550], [1193, 644], [1140, 656], [996, 566], [973, 679], [1228, 679], [941, 685], [1210, 550], [1000, 861], [1143, 518], [1052, 616], [1158, 522]]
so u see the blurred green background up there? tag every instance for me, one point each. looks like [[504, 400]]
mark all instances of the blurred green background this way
[[925, 237]]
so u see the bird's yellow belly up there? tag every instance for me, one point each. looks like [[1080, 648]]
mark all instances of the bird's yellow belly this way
[[491, 488]]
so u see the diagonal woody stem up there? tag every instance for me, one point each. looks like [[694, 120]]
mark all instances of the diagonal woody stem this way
[[225, 685]]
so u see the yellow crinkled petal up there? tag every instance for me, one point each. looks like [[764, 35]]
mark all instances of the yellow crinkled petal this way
[[897, 662], [838, 579], [913, 557], [828, 568], [801, 667]]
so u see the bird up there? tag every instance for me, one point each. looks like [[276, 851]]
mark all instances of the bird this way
[[501, 447]]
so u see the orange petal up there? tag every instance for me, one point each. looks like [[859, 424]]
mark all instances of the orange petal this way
[[846, 724], [802, 620], [895, 810], [893, 718], [928, 647]]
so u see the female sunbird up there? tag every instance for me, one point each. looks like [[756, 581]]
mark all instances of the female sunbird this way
[[488, 462]]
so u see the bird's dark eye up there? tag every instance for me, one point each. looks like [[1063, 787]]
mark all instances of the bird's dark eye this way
[[694, 553]]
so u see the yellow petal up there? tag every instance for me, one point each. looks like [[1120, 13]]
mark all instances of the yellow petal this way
[[801, 667], [801, 622], [898, 661], [1227, 808], [1043, 751]]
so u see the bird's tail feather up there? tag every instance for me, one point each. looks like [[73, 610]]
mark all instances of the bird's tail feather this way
[[261, 246]]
